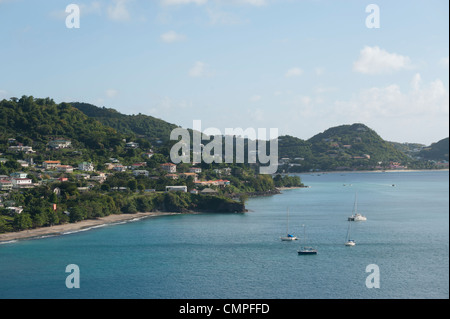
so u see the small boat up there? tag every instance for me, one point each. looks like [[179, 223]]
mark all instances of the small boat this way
[[305, 250], [348, 241], [288, 237], [356, 217]]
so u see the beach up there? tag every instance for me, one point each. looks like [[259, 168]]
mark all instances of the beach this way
[[74, 227]]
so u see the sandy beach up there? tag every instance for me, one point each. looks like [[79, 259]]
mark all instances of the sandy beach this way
[[67, 228]]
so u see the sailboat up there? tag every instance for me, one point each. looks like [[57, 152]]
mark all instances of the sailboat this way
[[288, 237], [348, 241], [305, 250], [356, 217]]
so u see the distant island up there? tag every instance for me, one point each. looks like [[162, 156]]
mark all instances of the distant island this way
[[70, 162]]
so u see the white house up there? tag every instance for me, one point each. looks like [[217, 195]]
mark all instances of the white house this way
[[86, 167], [139, 172], [5, 185], [21, 182], [169, 167]]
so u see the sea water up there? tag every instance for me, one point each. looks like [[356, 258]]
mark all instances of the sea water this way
[[239, 256]]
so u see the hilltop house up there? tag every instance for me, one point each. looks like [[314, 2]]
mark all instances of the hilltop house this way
[[169, 167], [22, 182], [86, 167], [51, 164], [18, 175], [58, 144]]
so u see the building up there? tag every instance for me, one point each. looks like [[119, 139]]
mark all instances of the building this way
[[169, 167], [140, 173], [86, 167], [64, 168], [5, 185], [22, 182], [132, 145], [18, 175], [120, 168], [182, 189], [51, 164], [58, 144], [20, 148], [196, 170], [208, 191], [172, 176]]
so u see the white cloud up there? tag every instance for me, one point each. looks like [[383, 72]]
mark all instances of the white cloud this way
[[118, 10], [172, 36], [431, 99], [373, 60], [200, 69], [111, 93], [294, 72], [257, 3], [178, 2]]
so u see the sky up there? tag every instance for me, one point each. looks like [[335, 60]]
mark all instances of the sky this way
[[301, 66]]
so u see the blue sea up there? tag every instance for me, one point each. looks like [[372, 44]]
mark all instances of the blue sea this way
[[241, 256]]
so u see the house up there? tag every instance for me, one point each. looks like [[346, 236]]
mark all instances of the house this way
[[23, 163], [194, 191], [18, 175], [64, 168], [58, 144], [132, 145], [169, 167], [86, 167], [5, 185], [176, 189], [22, 183], [196, 170], [21, 148], [208, 191], [51, 164], [120, 168], [138, 165], [148, 155], [140, 173], [16, 210], [172, 176]]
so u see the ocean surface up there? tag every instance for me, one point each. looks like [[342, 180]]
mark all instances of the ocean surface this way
[[240, 256]]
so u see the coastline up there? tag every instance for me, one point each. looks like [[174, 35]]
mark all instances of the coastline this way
[[59, 230]]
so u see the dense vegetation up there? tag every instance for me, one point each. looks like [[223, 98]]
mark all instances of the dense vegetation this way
[[436, 151], [140, 125]]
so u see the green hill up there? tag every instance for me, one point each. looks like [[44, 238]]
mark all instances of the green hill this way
[[343, 147], [35, 122], [437, 151], [140, 125]]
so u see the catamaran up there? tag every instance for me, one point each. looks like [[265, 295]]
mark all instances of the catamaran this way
[[356, 217], [305, 250], [288, 237]]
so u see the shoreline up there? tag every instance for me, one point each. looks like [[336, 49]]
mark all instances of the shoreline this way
[[69, 228], [374, 171]]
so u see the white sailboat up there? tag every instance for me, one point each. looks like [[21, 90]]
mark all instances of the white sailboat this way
[[349, 241], [306, 250], [356, 217], [288, 236]]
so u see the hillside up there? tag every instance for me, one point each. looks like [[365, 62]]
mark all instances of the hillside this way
[[353, 146], [36, 122], [140, 125], [437, 151]]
